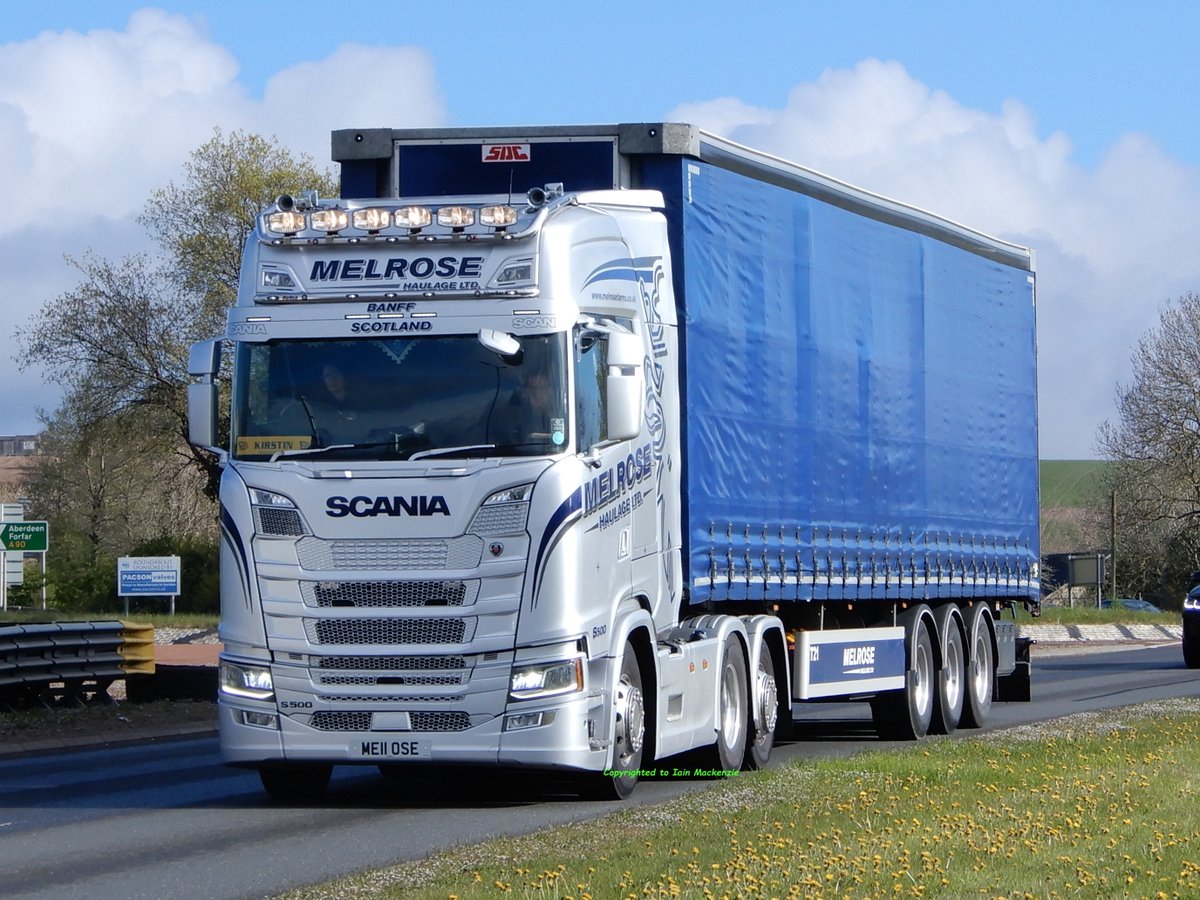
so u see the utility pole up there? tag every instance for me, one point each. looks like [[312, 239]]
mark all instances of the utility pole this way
[[1112, 543]]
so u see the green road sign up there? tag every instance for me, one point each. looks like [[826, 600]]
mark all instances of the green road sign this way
[[25, 537]]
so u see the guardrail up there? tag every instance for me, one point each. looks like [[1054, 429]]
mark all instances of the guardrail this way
[[55, 663]]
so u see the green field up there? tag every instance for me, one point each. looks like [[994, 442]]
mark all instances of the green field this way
[[1072, 482], [1072, 499]]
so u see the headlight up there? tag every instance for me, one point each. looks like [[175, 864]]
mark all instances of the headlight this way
[[1192, 603], [251, 682], [546, 679], [270, 498], [518, 494]]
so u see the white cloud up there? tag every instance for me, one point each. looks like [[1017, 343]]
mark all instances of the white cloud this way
[[91, 124], [1113, 244]]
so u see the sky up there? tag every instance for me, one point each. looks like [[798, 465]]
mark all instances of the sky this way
[[1068, 127]]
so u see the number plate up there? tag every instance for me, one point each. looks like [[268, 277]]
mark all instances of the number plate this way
[[391, 748]]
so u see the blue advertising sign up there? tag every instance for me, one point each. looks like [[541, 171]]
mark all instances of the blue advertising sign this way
[[147, 575]]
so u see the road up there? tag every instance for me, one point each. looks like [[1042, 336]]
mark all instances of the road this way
[[168, 819]]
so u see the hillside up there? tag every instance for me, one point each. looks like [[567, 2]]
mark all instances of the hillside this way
[[1071, 491]]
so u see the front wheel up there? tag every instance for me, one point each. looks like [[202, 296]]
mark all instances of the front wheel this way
[[1191, 649], [629, 736]]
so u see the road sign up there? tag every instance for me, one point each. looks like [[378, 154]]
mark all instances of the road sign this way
[[25, 537], [147, 576], [14, 569]]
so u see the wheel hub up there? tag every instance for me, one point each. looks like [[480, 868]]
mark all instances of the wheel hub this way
[[631, 719]]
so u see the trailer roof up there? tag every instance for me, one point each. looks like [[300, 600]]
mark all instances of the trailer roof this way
[[678, 139]]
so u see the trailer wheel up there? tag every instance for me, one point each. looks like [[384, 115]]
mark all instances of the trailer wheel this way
[[629, 736], [733, 706], [981, 667], [951, 680], [764, 700], [295, 782], [905, 715]]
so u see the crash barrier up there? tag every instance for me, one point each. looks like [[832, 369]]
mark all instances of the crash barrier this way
[[56, 663]]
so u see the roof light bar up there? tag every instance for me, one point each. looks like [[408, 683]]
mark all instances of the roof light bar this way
[[456, 216]]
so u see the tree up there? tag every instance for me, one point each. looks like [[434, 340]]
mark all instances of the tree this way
[[119, 340], [106, 487], [202, 224], [1155, 442]]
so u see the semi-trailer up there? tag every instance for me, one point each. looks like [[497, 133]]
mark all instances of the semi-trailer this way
[[580, 447]]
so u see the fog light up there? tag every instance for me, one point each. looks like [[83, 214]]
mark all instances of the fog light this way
[[260, 719], [528, 720]]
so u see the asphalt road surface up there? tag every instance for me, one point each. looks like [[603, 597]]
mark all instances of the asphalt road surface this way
[[168, 820]]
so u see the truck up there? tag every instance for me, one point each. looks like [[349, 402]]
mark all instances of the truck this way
[[577, 448]]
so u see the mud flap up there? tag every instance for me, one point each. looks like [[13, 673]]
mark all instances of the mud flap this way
[[1017, 687]]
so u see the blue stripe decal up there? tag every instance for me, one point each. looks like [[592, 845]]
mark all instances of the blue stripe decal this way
[[568, 511], [640, 269], [235, 540]]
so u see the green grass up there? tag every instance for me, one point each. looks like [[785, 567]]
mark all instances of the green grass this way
[[1097, 805], [1071, 482], [1090, 615]]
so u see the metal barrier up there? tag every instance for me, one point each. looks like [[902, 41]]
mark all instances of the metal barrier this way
[[54, 663]]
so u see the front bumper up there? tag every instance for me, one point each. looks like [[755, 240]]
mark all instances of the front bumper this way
[[567, 739]]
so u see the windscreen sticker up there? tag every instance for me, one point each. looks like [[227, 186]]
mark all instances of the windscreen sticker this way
[[261, 444]]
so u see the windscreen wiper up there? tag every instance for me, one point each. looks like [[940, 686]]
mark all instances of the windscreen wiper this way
[[281, 454], [450, 451]]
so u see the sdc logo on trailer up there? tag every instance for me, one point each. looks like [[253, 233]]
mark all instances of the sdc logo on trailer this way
[[506, 153]]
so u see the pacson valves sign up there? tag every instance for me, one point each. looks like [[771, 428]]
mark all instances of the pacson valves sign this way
[[139, 576]]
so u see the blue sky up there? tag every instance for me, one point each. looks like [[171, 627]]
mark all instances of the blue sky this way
[[1066, 126]]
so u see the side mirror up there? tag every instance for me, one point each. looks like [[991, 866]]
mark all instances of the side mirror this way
[[204, 361], [626, 386]]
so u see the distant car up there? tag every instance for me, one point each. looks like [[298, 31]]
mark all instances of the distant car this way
[[1191, 628], [1132, 604]]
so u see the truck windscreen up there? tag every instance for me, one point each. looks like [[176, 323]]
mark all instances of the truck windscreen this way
[[399, 398]]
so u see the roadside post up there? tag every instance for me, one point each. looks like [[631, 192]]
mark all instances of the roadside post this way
[[148, 576]]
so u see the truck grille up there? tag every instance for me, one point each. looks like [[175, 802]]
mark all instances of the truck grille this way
[[372, 679], [388, 594], [389, 631], [454, 553], [396, 663], [330, 720]]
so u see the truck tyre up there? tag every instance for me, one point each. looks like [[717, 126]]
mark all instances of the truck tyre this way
[[981, 667], [295, 783], [629, 736], [905, 715], [765, 702], [952, 677], [733, 709]]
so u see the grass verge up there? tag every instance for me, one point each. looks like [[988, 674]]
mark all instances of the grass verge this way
[[1099, 804]]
